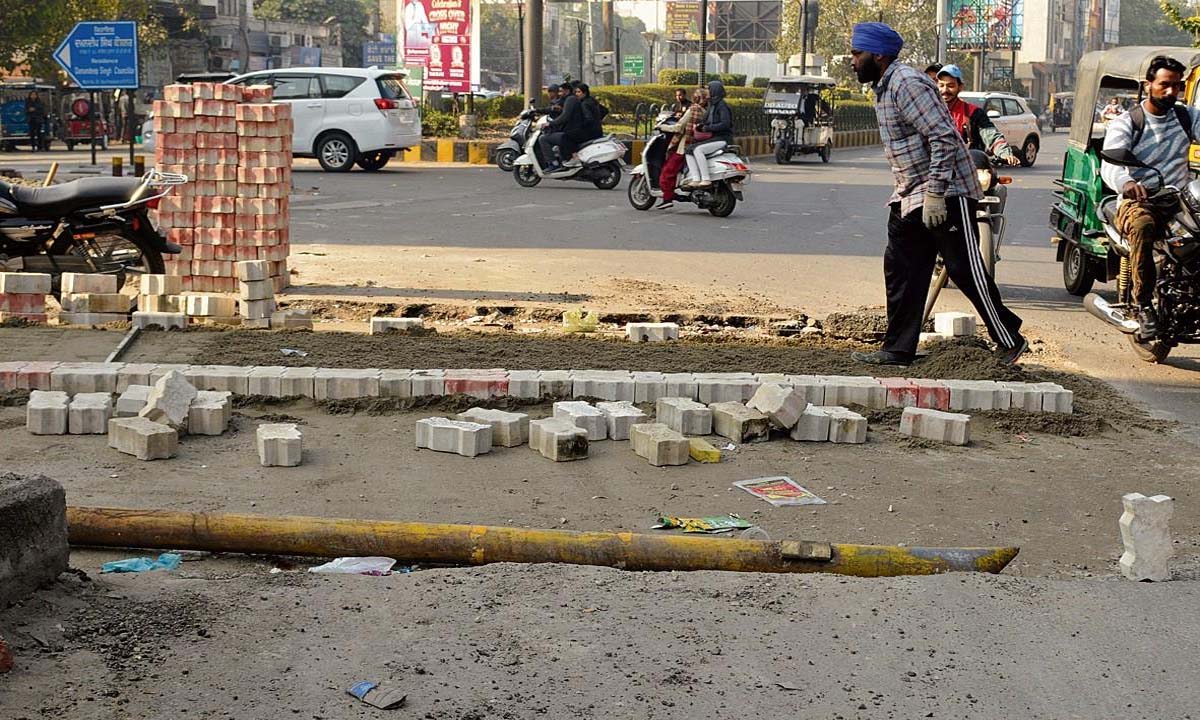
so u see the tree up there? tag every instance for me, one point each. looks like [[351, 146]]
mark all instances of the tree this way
[[352, 19], [500, 28], [915, 20], [1171, 22]]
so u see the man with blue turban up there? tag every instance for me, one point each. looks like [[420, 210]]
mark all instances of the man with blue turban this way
[[933, 204]]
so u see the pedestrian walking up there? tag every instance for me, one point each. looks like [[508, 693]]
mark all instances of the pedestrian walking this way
[[35, 116], [933, 204]]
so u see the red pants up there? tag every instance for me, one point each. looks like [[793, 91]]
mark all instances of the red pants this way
[[670, 173]]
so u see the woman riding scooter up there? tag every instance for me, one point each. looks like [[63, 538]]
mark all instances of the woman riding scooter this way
[[683, 130], [713, 133]]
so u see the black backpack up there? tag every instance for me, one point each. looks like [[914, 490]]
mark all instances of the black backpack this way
[[1137, 117]]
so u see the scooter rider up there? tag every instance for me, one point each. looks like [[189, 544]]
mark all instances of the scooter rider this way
[[682, 129], [972, 121], [566, 132], [1158, 132], [715, 131], [557, 96]]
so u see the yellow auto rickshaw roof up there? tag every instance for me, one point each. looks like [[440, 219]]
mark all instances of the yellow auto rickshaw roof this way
[[1119, 69]]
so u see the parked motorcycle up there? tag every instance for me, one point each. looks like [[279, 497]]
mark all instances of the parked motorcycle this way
[[93, 225], [727, 169], [598, 161], [512, 148], [1176, 258]]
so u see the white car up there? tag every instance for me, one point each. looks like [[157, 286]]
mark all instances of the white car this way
[[344, 116], [1013, 118]]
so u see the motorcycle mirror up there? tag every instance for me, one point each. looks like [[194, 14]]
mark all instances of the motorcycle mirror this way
[[1123, 157]]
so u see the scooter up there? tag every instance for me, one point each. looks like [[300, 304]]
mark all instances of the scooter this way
[[512, 148], [93, 225], [598, 161], [727, 169]]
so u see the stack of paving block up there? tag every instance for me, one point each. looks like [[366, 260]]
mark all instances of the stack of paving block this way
[[211, 309], [160, 302], [256, 293], [235, 146], [92, 299], [23, 296]]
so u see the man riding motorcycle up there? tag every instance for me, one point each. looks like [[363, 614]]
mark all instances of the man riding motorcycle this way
[[1158, 132], [972, 121], [568, 131]]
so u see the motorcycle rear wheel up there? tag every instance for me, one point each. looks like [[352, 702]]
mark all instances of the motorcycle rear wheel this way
[[127, 255], [611, 177], [526, 176], [726, 201], [1152, 351], [640, 196]]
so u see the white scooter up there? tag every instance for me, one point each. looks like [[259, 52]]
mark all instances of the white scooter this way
[[726, 168], [598, 161]]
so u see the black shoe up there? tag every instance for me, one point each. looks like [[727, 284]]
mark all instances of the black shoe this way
[[664, 205], [1148, 322], [1009, 356], [882, 357]]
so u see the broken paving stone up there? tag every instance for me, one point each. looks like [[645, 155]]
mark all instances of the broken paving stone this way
[[782, 403], [558, 439], [454, 436], [142, 438], [735, 421], [659, 444], [509, 429], [279, 445], [170, 400]]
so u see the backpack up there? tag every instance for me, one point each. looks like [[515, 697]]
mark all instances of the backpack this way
[[1137, 118]]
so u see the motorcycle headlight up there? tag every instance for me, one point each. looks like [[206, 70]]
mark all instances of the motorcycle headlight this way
[[1191, 196], [986, 177]]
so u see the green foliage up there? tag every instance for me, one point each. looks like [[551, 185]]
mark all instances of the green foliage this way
[[437, 123], [915, 20], [731, 79], [505, 106], [760, 82], [352, 16], [500, 25], [673, 76], [1190, 26]]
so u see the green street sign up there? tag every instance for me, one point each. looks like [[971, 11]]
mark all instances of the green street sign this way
[[634, 65]]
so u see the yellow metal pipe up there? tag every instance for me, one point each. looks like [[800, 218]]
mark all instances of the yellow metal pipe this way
[[442, 544]]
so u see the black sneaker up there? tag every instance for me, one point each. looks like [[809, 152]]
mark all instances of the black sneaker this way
[[882, 357], [1148, 322], [1009, 356], [664, 205]]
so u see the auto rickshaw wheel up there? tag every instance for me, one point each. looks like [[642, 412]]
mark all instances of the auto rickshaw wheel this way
[[783, 154], [1077, 271], [827, 152]]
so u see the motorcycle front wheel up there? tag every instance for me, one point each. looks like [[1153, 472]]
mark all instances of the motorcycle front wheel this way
[[505, 159], [640, 196], [526, 176], [611, 177]]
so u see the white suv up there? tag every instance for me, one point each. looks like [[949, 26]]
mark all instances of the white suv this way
[[343, 115], [1013, 119]]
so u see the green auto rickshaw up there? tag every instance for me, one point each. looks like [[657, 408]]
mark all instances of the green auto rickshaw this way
[[1082, 246]]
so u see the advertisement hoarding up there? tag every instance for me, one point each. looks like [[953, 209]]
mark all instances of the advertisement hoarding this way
[[683, 20], [985, 24], [437, 37]]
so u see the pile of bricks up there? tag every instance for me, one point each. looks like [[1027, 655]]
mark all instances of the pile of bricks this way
[[256, 293], [235, 146], [23, 296], [92, 299]]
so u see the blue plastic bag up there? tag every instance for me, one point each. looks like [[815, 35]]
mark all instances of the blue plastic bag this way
[[166, 561]]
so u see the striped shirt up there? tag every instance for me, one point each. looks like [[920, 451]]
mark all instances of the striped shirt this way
[[920, 141], [1164, 145]]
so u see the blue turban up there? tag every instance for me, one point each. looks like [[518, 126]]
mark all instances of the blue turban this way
[[876, 38]]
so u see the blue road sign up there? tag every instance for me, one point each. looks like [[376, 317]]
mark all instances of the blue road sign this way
[[101, 55], [381, 53]]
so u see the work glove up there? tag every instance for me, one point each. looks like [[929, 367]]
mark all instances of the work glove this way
[[933, 212]]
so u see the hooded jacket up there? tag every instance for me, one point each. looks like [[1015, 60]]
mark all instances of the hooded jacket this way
[[719, 118]]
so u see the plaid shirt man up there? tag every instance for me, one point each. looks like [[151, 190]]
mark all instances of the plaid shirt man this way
[[920, 141]]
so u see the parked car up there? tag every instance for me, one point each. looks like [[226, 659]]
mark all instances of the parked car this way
[[1014, 119], [344, 116]]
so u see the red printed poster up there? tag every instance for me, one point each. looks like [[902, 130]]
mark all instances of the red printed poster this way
[[437, 35]]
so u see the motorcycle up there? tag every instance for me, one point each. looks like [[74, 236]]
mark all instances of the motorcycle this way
[[93, 225], [727, 169], [1176, 259], [599, 161], [508, 152]]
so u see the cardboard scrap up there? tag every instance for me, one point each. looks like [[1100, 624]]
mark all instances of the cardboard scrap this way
[[779, 490], [375, 695]]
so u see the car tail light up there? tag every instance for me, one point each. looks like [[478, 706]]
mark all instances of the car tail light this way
[[1004, 180], [386, 104]]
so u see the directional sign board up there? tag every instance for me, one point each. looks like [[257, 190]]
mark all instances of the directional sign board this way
[[634, 65], [380, 53], [101, 55]]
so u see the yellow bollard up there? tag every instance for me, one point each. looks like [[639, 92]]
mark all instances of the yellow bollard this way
[[117, 168]]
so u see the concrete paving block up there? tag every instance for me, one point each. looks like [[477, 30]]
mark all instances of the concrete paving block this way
[[98, 283], [163, 321], [1146, 535], [133, 374], [210, 413], [846, 426], [524, 384], [648, 387], [681, 385], [161, 303], [9, 374], [850, 390], [684, 416], [558, 439], [262, 323], [811, 386], [279, 445], [224, 378], [142, 438], [954, 324], [92, 319], [659, 444], [978, 395], [256, 290], [741, 424], [1056, 398], [252, 270], [24, 283], [291, 319], [298, 382], [620, 416], [380, 325], [395, 383], [1024, 396], [702, 451], [711, 390], [35, 375], [97, 303], [162, 370], [454, 436], [932, 394], [585, 416], [210, 305], [935, 425], [651, 332], [509, 429], [258, 311], [613, 387], [901, 392], [89, 413], [481, 385], [33, 536], [782, 403], [72, 379], [161, 285], [47, 412], [344, 384], [556, 383], [132, 400], [813, 425], [776, 378], [264, 381], [169, 401]]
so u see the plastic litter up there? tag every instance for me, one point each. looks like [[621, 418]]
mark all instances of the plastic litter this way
[[373, 694], [377, 566], [292, 352], [579, 321], [710, 525], [755, 533], [165, 561]]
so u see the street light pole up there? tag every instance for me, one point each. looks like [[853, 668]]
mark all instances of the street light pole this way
[[703, 39]]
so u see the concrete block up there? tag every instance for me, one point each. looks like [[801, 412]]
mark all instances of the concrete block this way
[[558, 439], [162, 370], [97, 303], [91, 319], [210, 412], [943, 427], [659, 444], [395, 383], [380, 325], [265, 381], [279, 445], [208, 305], [428, 383], [585, 416], [33, 536], [556, 383], [813, 425], [1024, 396], [1146, 534], [257, 310], [253, 270], [160, 320], [978, 395], [132, 401], [716, 390], [850, 390], [256, 290], [24, 283], [343, 384], [604, 385], [739, 423], [509, 429], [652, 332], [75, 283], [292, 319], [846, 426], [702, 451], [35, 375], [73, 378], [169, 401], [88, 414], [47, 412], [133, 374], [142, 438], [954, 324], [775, 378], [454, 436], [932, 394], [161, 285], [8, 375], [782, 403], [620, 416], [1056, 398], [810, 386], [684, 416], [479, 384], [901, 392], [681, 385], [648, 387], [225, 378], [524, 384]]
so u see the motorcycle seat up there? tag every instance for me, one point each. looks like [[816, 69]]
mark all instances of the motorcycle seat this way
[[58, 200], [1108, 209], [716, 151], [593, 141]]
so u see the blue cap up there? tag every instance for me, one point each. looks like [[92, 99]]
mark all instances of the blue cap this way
[[953, 71]]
